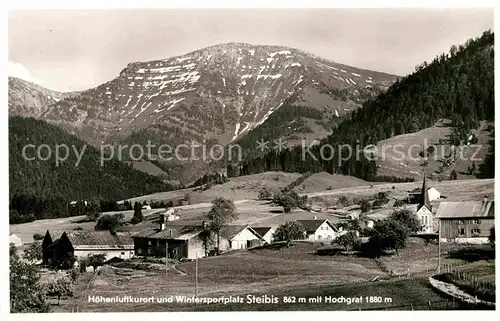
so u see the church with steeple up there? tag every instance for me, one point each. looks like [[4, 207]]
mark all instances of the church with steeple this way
[[424, 209]]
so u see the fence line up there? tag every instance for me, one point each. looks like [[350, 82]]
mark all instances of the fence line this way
[[466, 276], [430, 305]]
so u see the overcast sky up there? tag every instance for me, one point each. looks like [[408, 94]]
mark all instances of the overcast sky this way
[[75, 50]]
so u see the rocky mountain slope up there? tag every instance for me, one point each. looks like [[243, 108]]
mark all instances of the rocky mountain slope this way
[[31, 100], [220, 92]]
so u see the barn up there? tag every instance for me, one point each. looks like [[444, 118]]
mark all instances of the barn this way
[[60, 247], [466, 222]]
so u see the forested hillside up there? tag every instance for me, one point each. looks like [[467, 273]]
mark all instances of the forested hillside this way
[[50, 185], [458, 85]]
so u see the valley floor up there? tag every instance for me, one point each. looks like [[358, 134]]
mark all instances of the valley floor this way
[[296, 271]]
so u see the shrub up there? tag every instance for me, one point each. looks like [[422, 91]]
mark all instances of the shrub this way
[[399, 203], [408, 220], [38, 237], [60, 287], [288, 232], [344, 200], [74, 273], [365, 206], [265, 194], [349, 240], [109, 222]]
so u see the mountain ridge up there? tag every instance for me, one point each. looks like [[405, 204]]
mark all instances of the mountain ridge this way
[[238, 85]]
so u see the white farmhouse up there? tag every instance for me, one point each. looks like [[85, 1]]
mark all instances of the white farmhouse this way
[[433, 194], [237, 237], [319, 230]]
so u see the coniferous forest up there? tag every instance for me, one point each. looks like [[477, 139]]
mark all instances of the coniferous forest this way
[[458, 85], [46, 188]]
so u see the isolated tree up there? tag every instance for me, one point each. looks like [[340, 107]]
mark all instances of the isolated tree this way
[[137, 213], [387, 234], [398, 203], [408, 219], [453, 175], [287, 202], [26, 293], [74, 273], [38, 237], [351, 225], [264, 194], [96, 260], [289, 199], [109, 222], [365, 206], [349, 240], [222, 213], [288, 232], [60, 287], [344, 200], [206, 237], [92, 211], [472, 169]]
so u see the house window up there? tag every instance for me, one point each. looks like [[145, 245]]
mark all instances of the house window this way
[[149, 243], [460, 222], [122, 253], [319, 237], [475, 231], [475, 221], [461, 231]]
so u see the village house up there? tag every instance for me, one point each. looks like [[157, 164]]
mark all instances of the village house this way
[[266, 233], [319, 230], [424, 209], [466, 222], [434, 194], [176, 241], [16, 240], [235, 237], [61, 247]]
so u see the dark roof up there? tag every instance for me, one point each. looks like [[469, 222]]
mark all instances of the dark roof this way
[[466, 209], [312, 225], [230, 231], [170, 232], [93, 239], [424, 196], [262, 230]]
